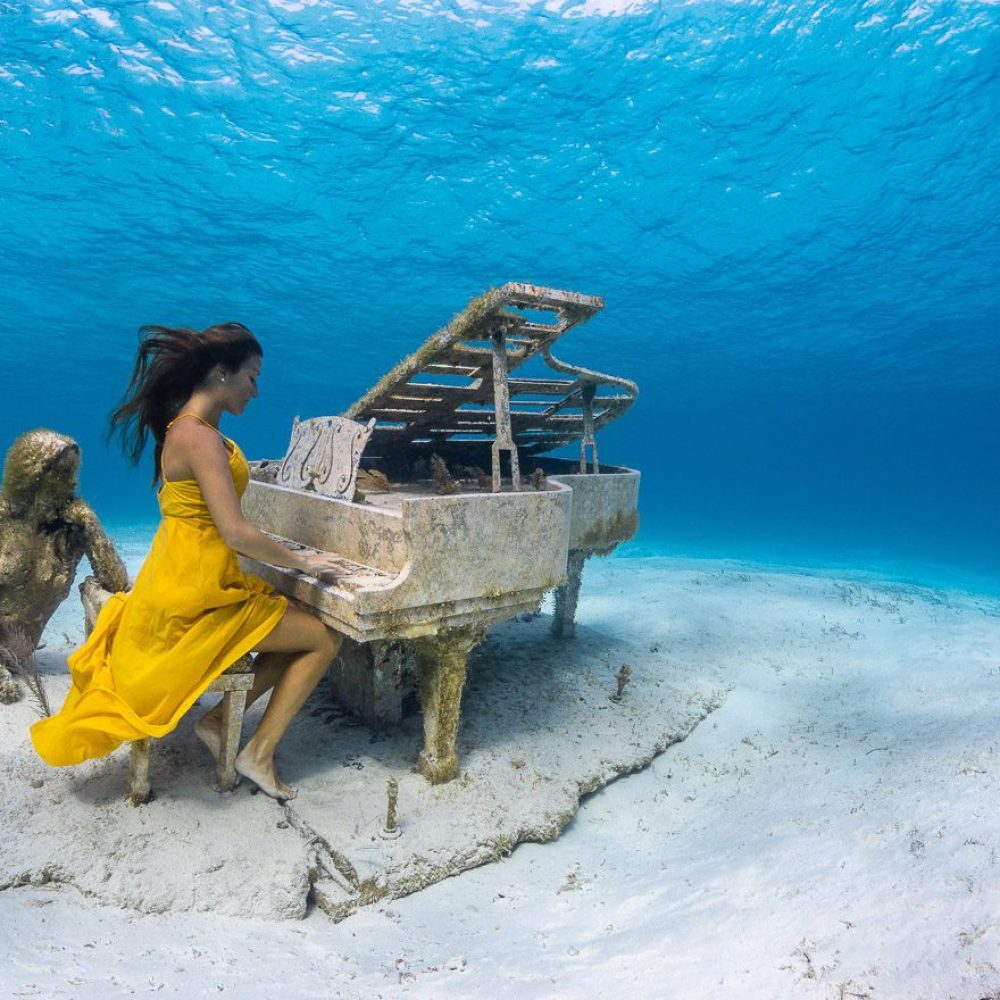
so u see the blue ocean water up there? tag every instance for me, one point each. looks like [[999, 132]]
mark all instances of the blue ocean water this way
[[792, 210]]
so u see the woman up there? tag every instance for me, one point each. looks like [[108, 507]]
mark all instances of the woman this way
[[192, 612]]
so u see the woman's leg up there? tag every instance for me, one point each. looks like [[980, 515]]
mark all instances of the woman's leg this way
[[267, 671], [312, 647], [268, 667]]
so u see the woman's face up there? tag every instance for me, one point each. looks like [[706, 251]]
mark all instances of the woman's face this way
[[241, 385]]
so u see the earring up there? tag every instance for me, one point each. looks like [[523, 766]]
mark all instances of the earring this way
[[222, 377]]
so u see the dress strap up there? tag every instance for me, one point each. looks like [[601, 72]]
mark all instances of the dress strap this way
[[229, 443], [188, 413]]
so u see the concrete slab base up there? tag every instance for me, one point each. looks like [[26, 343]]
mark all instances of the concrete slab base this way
[[539, 731]]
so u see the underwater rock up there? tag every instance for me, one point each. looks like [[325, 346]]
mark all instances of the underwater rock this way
[[45, 530]]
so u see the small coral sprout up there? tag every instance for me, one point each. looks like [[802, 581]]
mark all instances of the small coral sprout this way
[[474, 473], [373, 481], [444, 483]]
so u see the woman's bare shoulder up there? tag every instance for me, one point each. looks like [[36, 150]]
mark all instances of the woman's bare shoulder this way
[[187, 445], [187, 431]]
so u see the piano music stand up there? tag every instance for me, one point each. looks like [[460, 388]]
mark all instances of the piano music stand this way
[[324, 455]]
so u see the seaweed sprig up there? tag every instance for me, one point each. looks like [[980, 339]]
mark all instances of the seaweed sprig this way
[[17, 654]]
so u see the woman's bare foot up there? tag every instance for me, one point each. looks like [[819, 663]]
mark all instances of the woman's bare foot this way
[[263, 775], [208, 729]]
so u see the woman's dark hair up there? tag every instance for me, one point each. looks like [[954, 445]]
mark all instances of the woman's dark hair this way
[[172, 362]]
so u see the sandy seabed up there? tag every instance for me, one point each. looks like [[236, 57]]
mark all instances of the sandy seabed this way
[[830, 830]]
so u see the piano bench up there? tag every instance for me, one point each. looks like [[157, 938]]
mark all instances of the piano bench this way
[[234, 685]]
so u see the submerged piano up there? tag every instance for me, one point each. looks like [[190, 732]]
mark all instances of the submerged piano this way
[[435, 547]]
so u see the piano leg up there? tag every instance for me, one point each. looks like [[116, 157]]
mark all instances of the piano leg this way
[[564, 618], [442, 659]]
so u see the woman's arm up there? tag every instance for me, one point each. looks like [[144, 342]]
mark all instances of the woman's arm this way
[[205, 453]]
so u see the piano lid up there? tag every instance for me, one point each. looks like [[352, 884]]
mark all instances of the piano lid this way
[[442, 397]]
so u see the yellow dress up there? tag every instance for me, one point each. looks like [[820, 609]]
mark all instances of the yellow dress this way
[[190, 615]]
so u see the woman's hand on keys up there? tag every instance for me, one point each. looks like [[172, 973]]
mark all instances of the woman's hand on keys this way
[[324, 564]]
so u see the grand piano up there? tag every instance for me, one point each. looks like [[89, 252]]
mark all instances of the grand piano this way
[[435, 548]]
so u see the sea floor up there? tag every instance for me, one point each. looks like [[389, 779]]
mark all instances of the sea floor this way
[[829, 830]]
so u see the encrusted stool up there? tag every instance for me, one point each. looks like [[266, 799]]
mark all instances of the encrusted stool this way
[[234, 685]]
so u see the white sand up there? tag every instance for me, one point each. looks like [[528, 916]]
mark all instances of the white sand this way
[[830, 831]]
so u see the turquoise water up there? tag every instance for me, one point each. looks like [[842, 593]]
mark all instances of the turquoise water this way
[[792, 211]]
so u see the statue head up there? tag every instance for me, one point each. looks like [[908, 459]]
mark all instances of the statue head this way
[[40, 473]]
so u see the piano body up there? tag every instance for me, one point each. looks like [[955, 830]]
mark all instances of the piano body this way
[[436, 549]]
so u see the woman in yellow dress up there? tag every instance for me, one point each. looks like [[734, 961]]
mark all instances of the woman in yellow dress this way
[[192, 611]]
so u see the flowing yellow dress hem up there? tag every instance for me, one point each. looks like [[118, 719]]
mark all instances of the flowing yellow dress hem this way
[[110, 730]]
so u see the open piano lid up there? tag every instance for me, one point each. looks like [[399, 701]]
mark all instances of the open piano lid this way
[[441, 398]]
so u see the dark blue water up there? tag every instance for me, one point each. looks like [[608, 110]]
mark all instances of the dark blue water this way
[[793, 212]]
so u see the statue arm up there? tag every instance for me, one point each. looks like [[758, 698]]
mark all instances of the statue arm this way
[[100, 550]]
